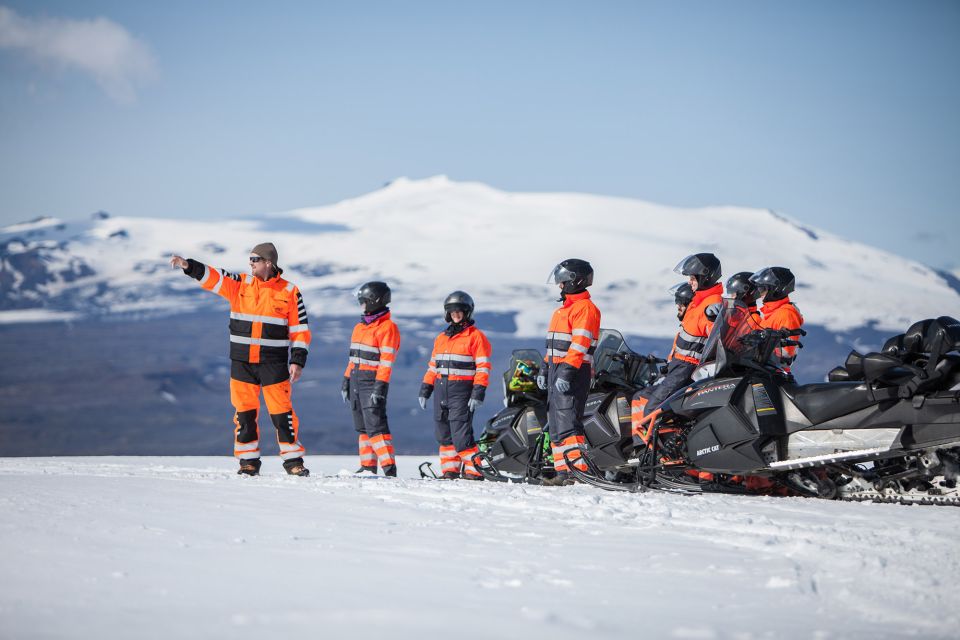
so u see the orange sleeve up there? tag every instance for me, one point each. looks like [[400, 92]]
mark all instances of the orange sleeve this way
[[584, 330], [353, 338], [431, 375], [389, 341], [221, 282], [482, 353]]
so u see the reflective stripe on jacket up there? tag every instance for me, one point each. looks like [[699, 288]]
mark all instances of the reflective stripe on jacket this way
[[782, 314], [463, 356], [373, 347], [688, 345], [268, 320], [574, 329]]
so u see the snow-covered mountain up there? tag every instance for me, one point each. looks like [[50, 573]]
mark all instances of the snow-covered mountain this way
[[428, 237]]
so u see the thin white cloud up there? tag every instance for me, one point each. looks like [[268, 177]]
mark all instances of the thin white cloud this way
[[99, 47]]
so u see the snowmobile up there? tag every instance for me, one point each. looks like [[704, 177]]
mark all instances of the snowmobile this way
[[886, 427], [515, 445]]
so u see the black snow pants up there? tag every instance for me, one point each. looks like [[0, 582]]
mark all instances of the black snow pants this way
[[367, 418], [565, 410], [452, 416]]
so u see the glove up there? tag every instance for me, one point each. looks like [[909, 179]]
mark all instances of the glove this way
[[473, 404], [345, 389], [379, 396], [564, 374], [713, 310], [426, 390], [542, 382]]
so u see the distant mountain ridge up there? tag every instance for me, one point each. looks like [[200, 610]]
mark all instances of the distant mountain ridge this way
[[428, 237]]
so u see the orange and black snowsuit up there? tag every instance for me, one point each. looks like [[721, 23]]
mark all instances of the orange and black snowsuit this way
[[571, 342], [373, 350], [782, 314], [268, 327], [684, 358], [459, 370]]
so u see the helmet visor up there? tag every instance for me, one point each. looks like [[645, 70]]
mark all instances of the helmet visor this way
[[690, 266], [765, 279], [560, 274]]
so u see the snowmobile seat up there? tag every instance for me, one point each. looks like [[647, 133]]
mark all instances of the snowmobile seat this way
[[885, 369], [822, 401]]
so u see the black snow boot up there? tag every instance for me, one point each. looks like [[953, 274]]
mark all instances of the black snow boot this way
[[451, 475], [562, 479], [470, 476], [295, 467], [249, 467], [366, 471], [390, 471]]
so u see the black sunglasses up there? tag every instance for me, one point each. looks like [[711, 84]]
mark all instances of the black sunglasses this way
[[255, 259]]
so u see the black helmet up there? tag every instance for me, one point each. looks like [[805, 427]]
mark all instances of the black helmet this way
[[574, 274], [373, 296], [704, 266], [773, 283], [683, 296], [458, 301], [740, 288], [682, 293]]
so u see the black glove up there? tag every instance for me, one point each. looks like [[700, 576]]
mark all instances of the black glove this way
[[426, 390], [379, 396], [345, 389], [713, 310], [542, 382], [564, 376], [476, 397]]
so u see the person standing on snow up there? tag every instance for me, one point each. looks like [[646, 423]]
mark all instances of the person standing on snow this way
[[268, 327], [571, 342], [373, 350], [457, 377], [703, 275], [774, 285]]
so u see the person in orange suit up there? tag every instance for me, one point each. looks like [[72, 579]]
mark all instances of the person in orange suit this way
[[774, 285], [703, 273], [269, 341], [373, 351], [571, 342], [457, 378]]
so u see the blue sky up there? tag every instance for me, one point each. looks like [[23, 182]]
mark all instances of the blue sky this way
[[843, 115]]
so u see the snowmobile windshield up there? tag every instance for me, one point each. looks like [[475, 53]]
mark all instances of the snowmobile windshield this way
[[725, 343]]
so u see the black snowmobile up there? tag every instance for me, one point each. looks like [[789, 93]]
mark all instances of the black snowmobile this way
[[885, 428], [515, 446]]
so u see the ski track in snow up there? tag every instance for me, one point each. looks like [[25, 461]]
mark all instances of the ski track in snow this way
[[182, 547]]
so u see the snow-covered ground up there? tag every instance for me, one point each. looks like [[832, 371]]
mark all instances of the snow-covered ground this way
[[184, 548]]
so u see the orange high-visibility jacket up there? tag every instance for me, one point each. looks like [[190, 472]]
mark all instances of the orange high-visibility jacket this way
[[574, 329], [782, 314], [688, 345], [464, 356], [374, 346], [267, 317]]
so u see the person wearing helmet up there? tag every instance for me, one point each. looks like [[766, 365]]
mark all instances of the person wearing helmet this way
[[703, 276], [774, 285], [571, 342], [373, 350], [740, 288], [457, 378]]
